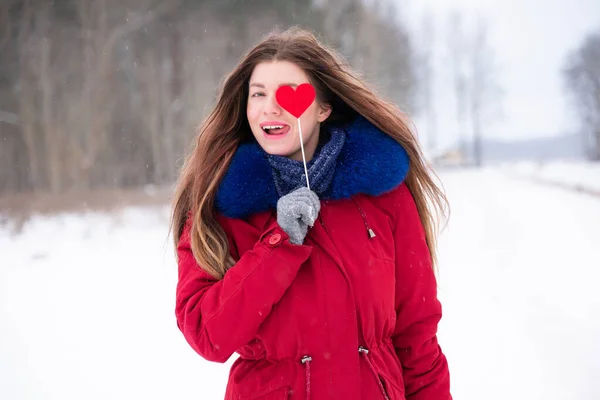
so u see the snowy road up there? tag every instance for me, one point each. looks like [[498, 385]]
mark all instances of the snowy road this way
[[86, 303], [519, 284]]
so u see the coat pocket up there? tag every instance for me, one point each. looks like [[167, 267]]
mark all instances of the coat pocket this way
[[281, 393], [392, 391], [384, 388]]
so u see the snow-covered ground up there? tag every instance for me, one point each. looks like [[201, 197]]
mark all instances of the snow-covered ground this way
[[87, 301], [519, 282], [579, 175]]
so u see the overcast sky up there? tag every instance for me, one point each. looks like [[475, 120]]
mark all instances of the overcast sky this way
[[530, 39]]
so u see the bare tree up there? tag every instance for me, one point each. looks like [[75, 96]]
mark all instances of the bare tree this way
[[581, 75], [484, 92], [394, 65], [477, 91], [426, 77], [26, 97], [457, 47], [52, 136]]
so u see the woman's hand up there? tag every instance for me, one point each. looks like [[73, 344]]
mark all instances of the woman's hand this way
[[296, 211]]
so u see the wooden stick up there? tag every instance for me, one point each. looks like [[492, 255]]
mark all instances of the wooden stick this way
[[303, 156]]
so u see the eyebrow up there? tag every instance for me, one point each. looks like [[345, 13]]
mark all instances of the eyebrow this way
[[260, 85]]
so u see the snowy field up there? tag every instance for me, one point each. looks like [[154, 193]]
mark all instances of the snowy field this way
[[87, 301], [580, 175]]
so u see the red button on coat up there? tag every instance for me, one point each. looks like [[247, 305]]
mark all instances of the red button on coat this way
[[276, 238]]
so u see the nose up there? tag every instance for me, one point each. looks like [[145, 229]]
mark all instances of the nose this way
[[271, 106]]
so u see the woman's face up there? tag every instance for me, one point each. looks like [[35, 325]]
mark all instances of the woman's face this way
[[263, 112]]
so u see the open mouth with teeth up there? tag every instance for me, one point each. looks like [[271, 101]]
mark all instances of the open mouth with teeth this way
[[276, 129]]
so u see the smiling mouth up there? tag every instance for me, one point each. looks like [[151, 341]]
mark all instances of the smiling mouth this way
[[275, 129]]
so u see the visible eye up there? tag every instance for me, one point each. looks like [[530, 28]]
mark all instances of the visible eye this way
[[258, 94]]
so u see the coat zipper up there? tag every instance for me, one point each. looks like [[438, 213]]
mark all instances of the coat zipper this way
[[364, 217], [370, 231]]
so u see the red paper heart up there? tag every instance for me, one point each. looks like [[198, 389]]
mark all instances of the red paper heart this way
[[295, 101]]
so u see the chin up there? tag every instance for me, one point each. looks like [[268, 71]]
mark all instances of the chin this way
[[278, 150], [282, 153]]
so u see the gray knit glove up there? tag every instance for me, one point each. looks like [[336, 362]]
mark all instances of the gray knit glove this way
[[296, 211]]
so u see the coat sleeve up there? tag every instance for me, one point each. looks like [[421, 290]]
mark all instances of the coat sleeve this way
[[425, 369], [217, 317]]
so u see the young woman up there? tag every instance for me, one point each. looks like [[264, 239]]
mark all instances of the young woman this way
[[327, 292]]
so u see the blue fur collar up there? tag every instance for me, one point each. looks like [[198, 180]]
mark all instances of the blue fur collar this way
[[370, 162]]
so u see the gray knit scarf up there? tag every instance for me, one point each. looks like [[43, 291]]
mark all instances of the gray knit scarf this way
[[289, 174]]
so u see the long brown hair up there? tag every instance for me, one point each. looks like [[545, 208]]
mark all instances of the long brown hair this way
[[227, 126]]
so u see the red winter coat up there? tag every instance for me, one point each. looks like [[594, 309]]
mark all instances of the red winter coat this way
[[343, 316]]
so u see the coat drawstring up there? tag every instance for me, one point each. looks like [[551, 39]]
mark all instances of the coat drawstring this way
[[365, 352], [306, 361], [364, 217]]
